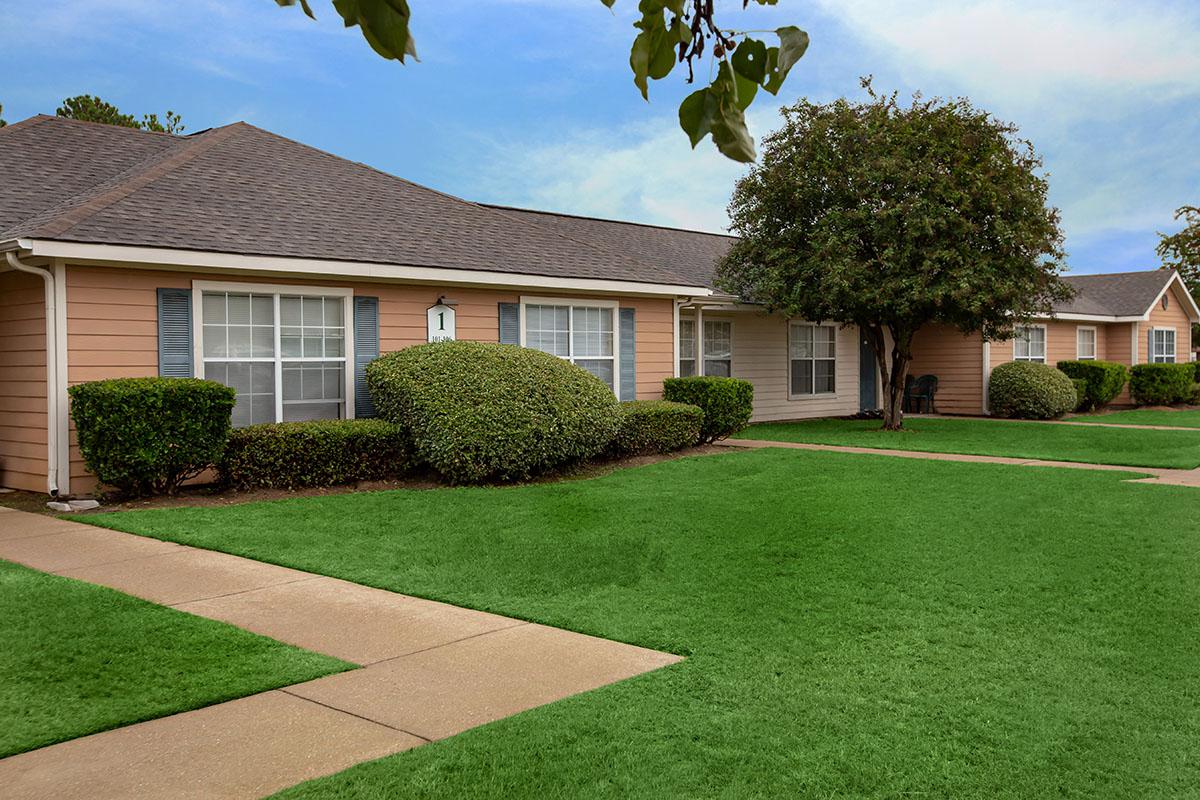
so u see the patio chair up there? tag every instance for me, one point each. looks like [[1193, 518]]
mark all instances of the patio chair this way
[[918, 394]]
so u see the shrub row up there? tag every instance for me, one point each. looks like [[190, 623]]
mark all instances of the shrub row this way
[[296, 455], [656, 426], [471, 411], [1103, 380], [1162, 384], [1027, 390]]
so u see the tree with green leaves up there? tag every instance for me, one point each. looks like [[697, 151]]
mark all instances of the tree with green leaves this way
[[670, 32], [2, 122], [892, 217], [92, 109], [1181, 251]]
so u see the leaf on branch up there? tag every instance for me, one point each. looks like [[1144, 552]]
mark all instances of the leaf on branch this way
[[303, 4], [717, 110]]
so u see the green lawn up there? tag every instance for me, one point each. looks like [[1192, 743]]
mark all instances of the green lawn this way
[[854, 626], [1137, 416], [985, 437], [80, 658]]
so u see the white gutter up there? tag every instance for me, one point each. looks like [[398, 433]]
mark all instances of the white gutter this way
[[170, 258], [52, 398]]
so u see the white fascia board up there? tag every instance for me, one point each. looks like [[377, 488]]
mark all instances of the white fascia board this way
[[324, 268], [1090, 318]]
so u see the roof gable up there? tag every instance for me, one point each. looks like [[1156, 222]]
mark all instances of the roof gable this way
[[1116, 294]]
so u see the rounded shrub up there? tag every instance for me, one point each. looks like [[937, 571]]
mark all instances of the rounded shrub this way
[[1104, 380], [656, 426], [1028, 390], [727, 403], [149, 435], [479, 412], [1162, 384], [295, 455]]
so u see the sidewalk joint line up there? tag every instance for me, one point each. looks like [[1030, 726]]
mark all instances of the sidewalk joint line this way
[[310, 577], [518, 624], [284, 690]]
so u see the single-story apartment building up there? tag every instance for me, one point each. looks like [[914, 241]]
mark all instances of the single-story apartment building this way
[[238, 255]]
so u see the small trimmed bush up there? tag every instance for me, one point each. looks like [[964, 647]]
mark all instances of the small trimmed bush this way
[[478, 412], [149, 435], [1162, 384], [296, 455], [1028, 390], [1104, 379], [656, 426], [727, 403]]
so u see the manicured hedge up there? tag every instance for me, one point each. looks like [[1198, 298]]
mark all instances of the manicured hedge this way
[[1162, 384], [149, 435], [294, 455], [1028, 390], [656, 426], [1104, 379], [727, 403], [479, 412], [1081, 393]]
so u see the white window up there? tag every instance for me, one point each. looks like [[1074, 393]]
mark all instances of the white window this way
[[584, 334], [283, 349], [812, 363], [1162, 346], [718, 347], [1029, 343], [1085, 343], [687, 348]]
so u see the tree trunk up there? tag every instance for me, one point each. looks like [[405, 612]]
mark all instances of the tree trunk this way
[[893, 371]]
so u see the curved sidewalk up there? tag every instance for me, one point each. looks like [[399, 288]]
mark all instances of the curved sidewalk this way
[[1171, 477], [430, 670]]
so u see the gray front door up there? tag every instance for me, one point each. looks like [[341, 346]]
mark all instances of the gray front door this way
[[868, 391]]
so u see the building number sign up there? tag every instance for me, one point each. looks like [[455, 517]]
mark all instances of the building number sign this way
[[440, 323]]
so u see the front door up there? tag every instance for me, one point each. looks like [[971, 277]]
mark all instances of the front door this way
[[868, 386]]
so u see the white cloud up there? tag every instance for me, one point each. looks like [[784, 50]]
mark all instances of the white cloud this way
[[1019, 48], [646, 172]]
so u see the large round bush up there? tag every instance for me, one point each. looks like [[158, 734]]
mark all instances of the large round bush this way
[[1027, 390], [479, 412]]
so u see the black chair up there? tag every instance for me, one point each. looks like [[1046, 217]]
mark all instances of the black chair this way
[[918, 394]]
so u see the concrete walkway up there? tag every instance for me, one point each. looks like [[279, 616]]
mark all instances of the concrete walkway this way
[[1171, 477], [430, 670], [1080, 421]]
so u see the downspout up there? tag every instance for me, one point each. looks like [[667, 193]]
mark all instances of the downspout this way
[[52, 409]]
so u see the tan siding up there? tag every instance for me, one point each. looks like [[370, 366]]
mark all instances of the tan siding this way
[[957, 361], [112, 324], [760, 355], [1175, 316], [23, 456]]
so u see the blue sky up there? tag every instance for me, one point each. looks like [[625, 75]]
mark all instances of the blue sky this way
[[530, 102]]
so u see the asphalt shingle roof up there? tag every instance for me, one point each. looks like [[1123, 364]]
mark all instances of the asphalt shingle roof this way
[[241, 189], [1116, 294], [694, 254]]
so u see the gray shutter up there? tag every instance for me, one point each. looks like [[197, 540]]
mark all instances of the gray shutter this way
[[175, 333], [1150, 346], [628, 350], [366, 350], [510, 323]]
